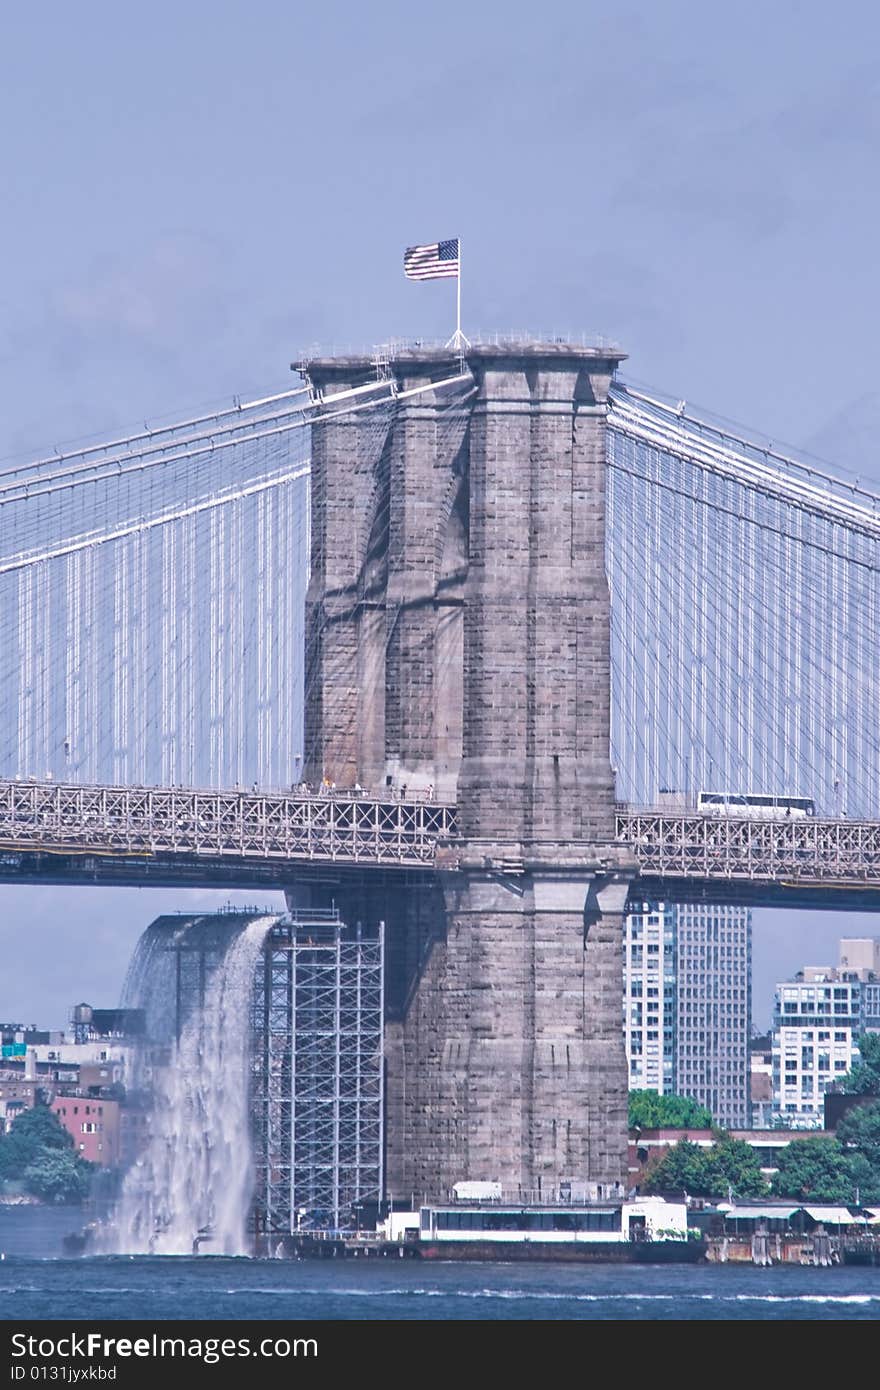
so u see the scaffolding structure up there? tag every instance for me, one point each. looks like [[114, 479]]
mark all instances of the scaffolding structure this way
[[318, 1074]]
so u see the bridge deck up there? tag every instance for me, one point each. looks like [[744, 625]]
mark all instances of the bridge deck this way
[[251, 828], [789, 852], [242, 826]]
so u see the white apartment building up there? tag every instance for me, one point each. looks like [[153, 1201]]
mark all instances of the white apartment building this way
[[816, 1026], [650, 1001], [817, 1021]]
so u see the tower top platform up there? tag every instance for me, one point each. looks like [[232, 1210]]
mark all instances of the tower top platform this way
[[416, 352]]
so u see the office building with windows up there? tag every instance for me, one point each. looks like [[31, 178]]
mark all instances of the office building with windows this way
[[687, 1009]]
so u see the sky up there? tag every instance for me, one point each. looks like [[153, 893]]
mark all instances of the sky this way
[[195, 196]]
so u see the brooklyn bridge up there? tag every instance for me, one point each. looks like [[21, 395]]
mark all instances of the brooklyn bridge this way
[[479, 644]]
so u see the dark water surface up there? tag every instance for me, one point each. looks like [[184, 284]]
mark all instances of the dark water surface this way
[[35, 1282]]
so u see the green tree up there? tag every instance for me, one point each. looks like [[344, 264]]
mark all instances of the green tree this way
[[735, 1167], [57, 1175], [683, 1167], [648, 1110], [34, 1130], [815, 1170], [865, 1178], [860, 1129], [864, 1079], [728, 1166], [859, 1136], [39, 1151]]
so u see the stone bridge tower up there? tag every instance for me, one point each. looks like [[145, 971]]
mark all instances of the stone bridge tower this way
[[458, 640]]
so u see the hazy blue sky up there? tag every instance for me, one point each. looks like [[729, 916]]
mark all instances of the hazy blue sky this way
[[196, 193]]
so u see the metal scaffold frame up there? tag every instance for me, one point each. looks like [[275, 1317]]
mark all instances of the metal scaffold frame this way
[[318, 1075]]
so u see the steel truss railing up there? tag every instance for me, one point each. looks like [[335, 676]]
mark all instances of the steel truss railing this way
[[786, 851], [350, 829], [244, 826]]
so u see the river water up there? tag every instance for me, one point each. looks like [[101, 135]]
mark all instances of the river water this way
[[36, 1283]]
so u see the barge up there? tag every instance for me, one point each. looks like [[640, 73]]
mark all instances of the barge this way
[[649, 1230]]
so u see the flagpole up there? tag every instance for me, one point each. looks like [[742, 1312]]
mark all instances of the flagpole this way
[[458, 341]]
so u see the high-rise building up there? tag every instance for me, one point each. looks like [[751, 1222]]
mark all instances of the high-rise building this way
[[687, 1011], [817, 1021], [714, 968], [871, 1006], [860, 960], [650, 1000], [761, 1081], [815, 1032], [860, 955]]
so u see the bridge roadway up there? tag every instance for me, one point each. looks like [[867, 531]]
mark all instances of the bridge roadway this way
[[51, 832]]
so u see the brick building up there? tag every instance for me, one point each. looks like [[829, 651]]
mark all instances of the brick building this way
[[93, 1125]]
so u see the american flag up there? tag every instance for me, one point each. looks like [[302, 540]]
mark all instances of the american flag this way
[[434, 262]]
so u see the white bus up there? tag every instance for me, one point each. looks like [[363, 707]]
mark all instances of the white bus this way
[[755, 805]]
